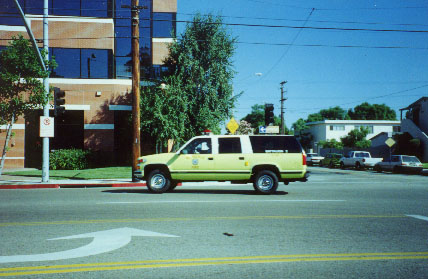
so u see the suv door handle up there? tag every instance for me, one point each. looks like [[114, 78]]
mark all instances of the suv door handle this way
[[241, 158], [210, 158]]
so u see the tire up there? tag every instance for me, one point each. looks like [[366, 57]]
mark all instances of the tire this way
[[358, 166], [172, 186], [158, 181], [342, 165], [377, 168], [265, 182]]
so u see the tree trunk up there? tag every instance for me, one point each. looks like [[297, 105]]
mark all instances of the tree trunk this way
[[6, 143]]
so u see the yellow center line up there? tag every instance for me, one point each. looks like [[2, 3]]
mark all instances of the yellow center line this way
[[182, 219], [55, 269]]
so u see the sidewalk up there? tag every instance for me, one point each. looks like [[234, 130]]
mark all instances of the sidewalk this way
[[23, 182]]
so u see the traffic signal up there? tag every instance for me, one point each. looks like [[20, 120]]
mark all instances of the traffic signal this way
[[59, 101], [268, 114]]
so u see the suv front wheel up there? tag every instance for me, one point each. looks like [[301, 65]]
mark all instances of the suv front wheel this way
[[265, 182], [158, 181]]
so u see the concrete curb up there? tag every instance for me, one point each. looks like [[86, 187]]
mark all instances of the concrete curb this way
[[69, 185]]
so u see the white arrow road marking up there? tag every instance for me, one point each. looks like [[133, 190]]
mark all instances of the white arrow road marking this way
[[420, 217], [103, 241]]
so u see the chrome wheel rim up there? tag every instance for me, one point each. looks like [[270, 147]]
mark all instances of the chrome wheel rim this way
[[158, 181], [265, 182]]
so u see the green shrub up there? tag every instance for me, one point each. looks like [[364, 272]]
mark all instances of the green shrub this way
[[69, 159]]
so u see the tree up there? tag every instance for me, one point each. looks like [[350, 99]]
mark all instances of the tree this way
[[257, 116], [333, 143], [357, 138], [336, 113], [365, 111], [21, 91], [201, 72], [163, 112]]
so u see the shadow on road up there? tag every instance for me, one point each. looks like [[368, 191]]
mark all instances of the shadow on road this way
[[194, 191]]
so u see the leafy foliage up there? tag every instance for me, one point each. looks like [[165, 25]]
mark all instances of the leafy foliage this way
[[357, 138], [365, 111], [21, 90], [201, 72], [333, 143], [244, 128], [69, 159]]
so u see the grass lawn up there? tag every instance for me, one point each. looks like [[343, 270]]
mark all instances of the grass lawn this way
[[101, 173]]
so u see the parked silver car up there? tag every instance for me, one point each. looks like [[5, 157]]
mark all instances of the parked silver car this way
[[400, 163]]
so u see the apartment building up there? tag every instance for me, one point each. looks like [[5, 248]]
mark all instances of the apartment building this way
[[91, 42], [336, 129]]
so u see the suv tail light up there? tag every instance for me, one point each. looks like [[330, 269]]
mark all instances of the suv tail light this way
[[304, 159]]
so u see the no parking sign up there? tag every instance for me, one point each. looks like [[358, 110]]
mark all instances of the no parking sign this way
[[46, 127]]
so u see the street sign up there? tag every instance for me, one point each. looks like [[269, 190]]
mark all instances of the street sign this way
[[272, 130], [390, 142], [262, 129], [232, 125], [46, 127]]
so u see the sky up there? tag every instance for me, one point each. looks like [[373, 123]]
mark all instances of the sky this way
[[348, 52]]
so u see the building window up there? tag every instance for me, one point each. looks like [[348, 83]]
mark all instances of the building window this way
[[337, 127], [369, 127], [82, 63], [164, 25]]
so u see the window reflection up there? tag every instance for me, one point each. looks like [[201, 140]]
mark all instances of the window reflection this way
[[163, 25]]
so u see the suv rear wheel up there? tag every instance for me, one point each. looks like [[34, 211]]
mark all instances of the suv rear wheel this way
[[265, 182], [158, 181]]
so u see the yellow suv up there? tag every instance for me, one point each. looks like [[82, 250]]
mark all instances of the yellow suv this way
[[262, 160]]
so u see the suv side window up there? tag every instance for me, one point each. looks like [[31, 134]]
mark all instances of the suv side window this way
[[275, 144], [229, 145], [198, 146]]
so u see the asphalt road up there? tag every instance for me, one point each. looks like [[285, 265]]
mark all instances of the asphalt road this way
[[339, 224]]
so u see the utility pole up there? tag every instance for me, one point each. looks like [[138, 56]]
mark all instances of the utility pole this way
[[282, 132], [45, 158], [136, 138]]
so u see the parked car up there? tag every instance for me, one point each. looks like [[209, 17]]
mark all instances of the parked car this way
[[313, 159], [359, 160], [331, 160], [400, 163]]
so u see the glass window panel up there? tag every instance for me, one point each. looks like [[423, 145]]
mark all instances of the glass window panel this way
[[68, 61], [123, 47], [96, 63], [9, 13], [96, 8], [123, 67], [163, 25], [65, 8]]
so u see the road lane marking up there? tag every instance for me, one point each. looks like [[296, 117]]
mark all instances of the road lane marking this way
[[420, 217], [184, 219], [109, 266], [103, 242], [222, 201]]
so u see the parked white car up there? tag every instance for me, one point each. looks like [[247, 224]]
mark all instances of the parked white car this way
[[400, 163], [359, 160], [313, 159]]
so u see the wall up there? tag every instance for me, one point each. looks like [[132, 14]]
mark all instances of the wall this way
[[408, 126]]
